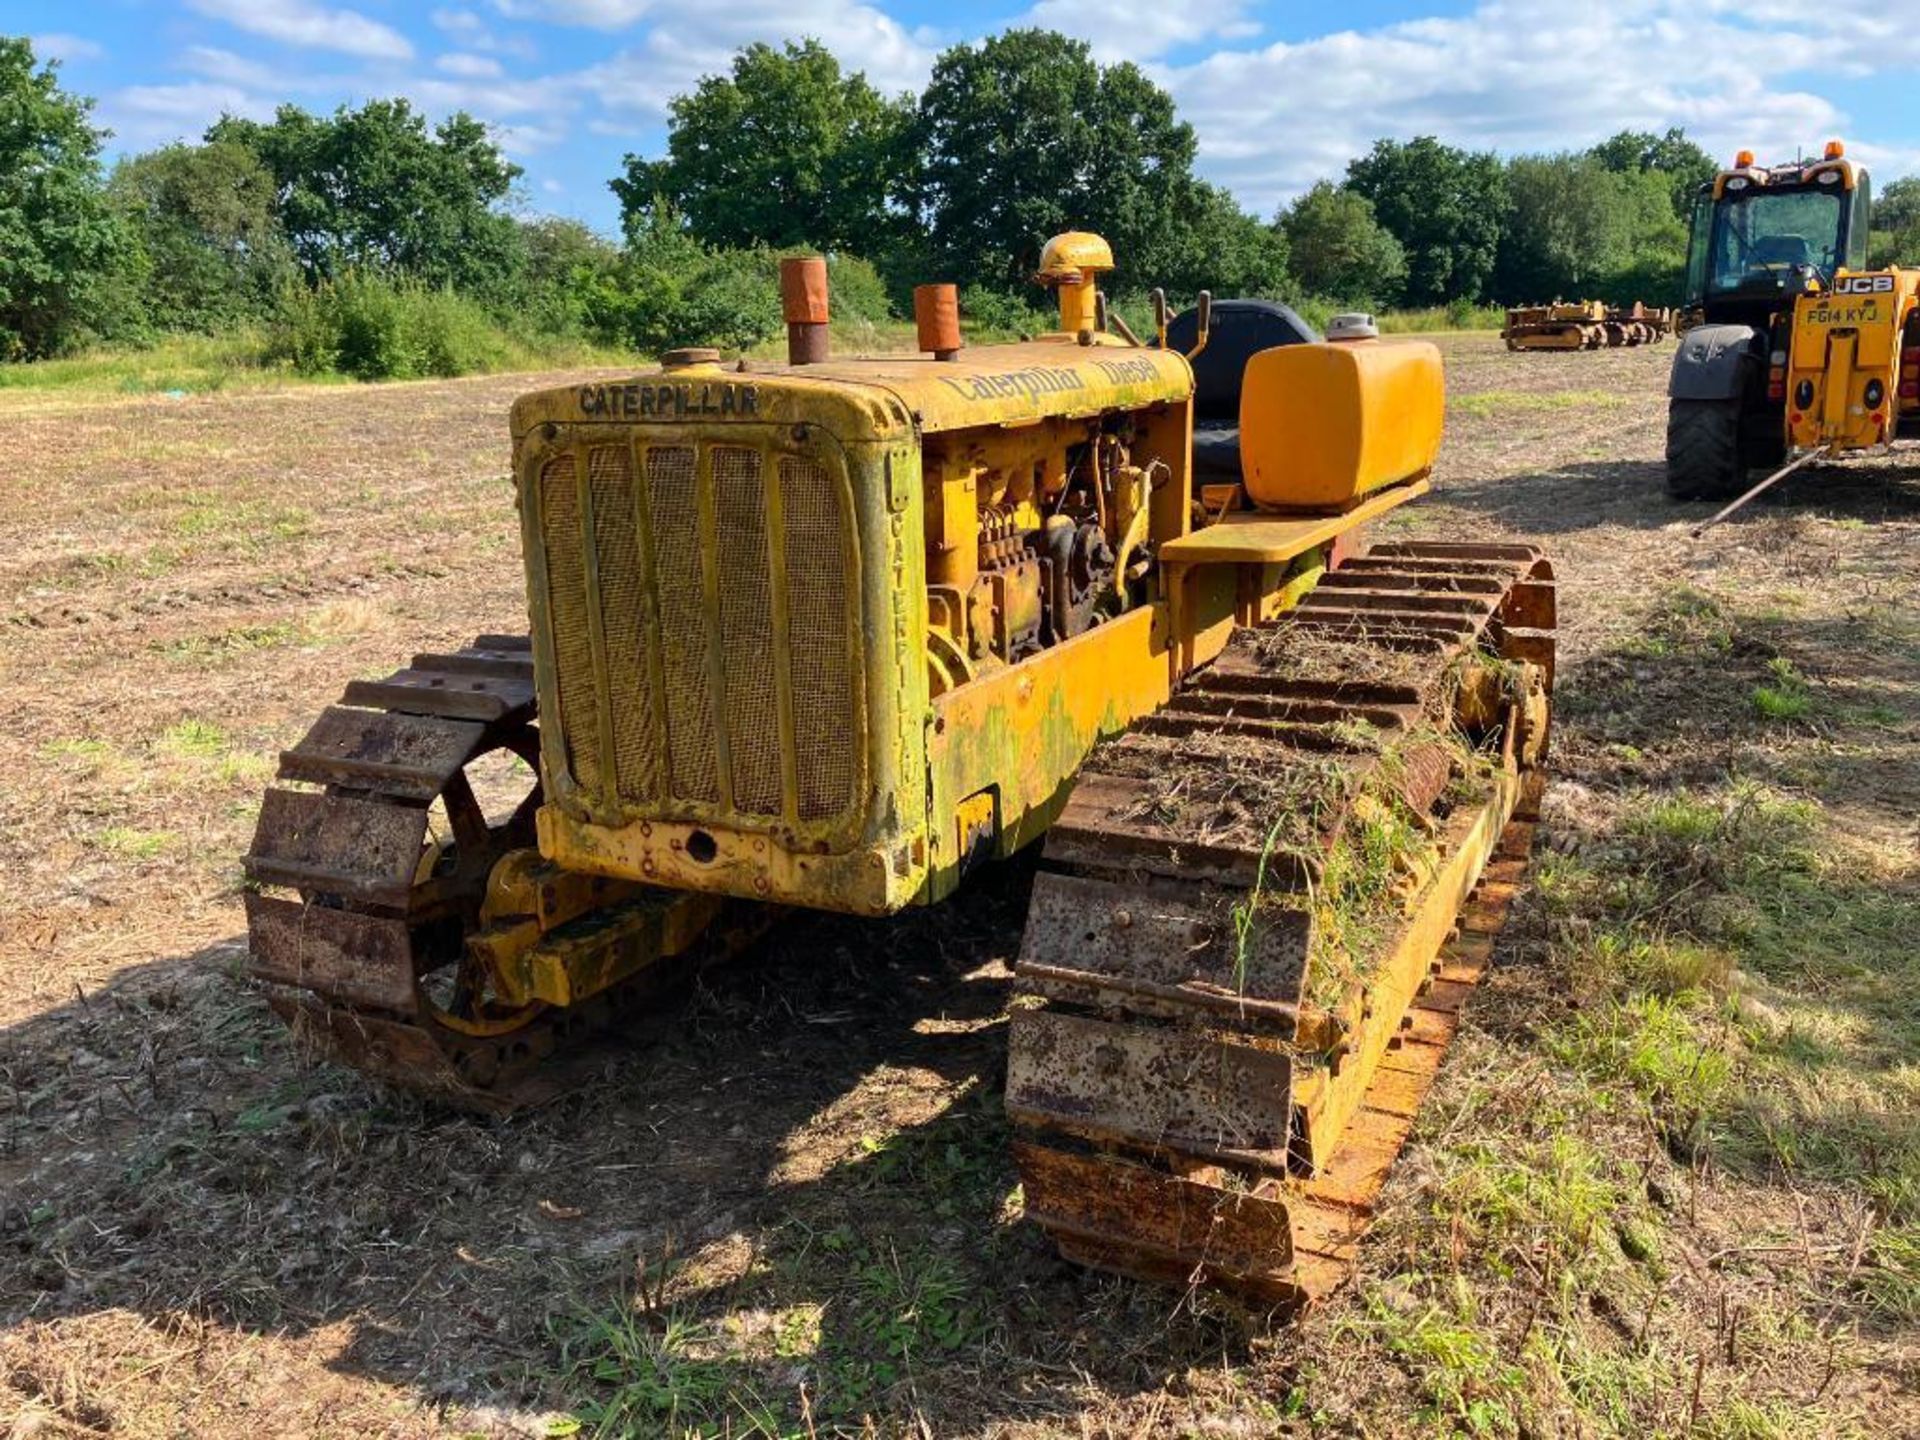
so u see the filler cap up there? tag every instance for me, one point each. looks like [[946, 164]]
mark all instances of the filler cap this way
[[1357, 325]]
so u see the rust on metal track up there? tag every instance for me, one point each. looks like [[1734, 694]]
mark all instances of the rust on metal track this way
[[366, 884], [1259, 914]]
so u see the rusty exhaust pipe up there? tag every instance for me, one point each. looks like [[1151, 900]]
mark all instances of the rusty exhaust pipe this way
[[936, 319], [803, 303]]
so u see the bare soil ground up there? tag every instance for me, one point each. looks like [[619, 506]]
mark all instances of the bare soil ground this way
[[1669, 1183]]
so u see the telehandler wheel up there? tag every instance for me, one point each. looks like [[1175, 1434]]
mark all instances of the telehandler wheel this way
[[1704, 460]]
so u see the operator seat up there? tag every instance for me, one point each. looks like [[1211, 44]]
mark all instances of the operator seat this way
[[1240, 330], [1786, 250]]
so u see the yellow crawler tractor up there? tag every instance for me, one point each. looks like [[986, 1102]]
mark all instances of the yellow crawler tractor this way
[[1796, 349], [831, 633], [1583, 325]]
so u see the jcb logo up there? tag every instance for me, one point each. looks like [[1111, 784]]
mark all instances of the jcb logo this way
[[1863, 284]]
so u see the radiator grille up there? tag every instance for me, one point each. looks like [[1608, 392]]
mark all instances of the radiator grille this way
[[746, 627], [567, 602], [616, 548], [817, 603], [674, 503], [671, 646]]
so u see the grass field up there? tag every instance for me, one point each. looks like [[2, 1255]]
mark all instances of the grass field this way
[[1669, 1182]]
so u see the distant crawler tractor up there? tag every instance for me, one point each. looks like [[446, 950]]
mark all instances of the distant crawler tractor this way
[[1795, 347], [833, 633], [1583, 325]]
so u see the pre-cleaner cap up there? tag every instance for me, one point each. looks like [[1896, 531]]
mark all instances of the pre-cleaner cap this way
[[936, 318], [803, 290]]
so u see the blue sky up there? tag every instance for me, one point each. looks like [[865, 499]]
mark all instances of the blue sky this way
[[1280, 94]]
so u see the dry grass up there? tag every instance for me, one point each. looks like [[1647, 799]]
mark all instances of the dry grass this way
[[1667, 1185]]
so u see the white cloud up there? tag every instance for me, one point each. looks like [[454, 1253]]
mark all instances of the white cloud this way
[[523, 138], [66, 48], [1141, 29], [1511, 75], [142, 116], [472, 33], [212, 63], [488, 97], [462, 25], [299, 22], [470, 67], [671, 59], [1271, 118], [596, 14]]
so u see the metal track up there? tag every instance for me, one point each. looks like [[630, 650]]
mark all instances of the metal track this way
[[366, 882], [1207, 1084]]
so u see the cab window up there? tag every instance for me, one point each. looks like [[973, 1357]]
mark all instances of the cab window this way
[[1699, 245], [1860, 226], [1761, 236]]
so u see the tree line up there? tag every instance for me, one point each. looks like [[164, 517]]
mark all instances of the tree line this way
[[374, 242]]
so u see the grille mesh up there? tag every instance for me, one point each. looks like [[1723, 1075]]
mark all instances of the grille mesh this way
[[567, 604], [817, 655], [616, 547], [673, 504], [746, 627], [664, 522]]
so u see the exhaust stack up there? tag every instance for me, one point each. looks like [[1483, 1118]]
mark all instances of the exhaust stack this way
[[936, 319], [803, 304]]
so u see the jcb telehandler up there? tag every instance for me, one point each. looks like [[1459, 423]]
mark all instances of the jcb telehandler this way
[[831, 633], [1793, 347]]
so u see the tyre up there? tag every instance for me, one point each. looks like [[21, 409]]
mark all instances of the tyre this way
[[1703, 450]]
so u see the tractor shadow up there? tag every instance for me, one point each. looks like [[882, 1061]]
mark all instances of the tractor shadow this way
[[793, 1175], [1586, 494]]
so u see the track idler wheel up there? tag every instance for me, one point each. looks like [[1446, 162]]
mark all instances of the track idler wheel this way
[[369, 884]]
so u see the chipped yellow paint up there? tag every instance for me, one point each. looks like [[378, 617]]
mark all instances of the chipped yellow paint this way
[[1253, 537], [924, 445]]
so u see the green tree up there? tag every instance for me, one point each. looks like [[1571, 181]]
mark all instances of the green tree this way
[[785, 150], [1896, 224], [203, 218], [1653, 267], [59, 242], [1445, 207], [671, 290], [376, 188], [1338, 250], [1023, 135], [1217, 246], [1683, 164], [563, 286], [1576, 229]]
